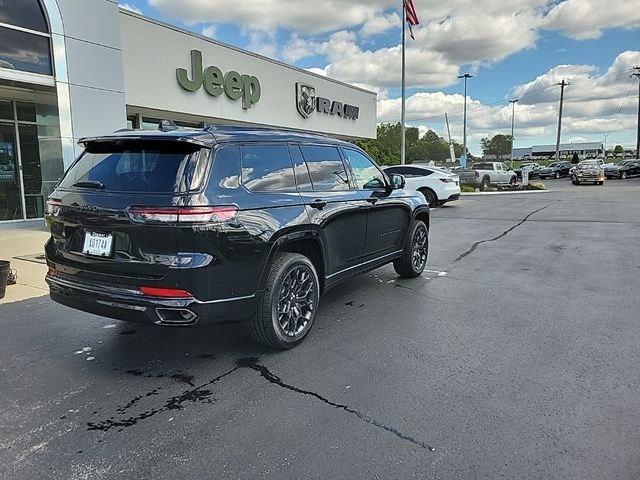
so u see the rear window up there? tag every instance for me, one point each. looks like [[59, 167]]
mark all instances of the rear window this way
[[483, 166], [267, 168], [134, 166]]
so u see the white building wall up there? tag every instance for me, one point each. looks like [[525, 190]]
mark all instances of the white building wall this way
[[152, 51], [90, 75]]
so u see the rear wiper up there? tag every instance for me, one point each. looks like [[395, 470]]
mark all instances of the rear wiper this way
[[88, 184]]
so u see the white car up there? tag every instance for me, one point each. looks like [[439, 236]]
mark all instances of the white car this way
[[438, 186]]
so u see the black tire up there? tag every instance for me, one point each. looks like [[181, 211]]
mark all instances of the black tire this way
[[513, 180], [601, 182], [265, 327], [484, 184], [408, 266], [557, 175], [430, 195]]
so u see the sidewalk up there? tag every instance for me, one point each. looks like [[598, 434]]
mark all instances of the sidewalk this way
[[25, 240]]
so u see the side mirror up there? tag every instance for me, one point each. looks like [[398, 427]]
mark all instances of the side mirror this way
[[397, 181]]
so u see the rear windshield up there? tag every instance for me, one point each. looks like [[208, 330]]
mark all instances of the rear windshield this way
[[133, 166], [483, 166]]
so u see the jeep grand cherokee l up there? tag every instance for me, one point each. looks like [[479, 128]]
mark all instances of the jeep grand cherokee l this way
[[176, 227]]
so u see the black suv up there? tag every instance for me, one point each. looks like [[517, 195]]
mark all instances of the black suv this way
[[227, 223], [556, 170]]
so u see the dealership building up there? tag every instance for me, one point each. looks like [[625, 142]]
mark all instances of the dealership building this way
[[76, 68], [583, 149]]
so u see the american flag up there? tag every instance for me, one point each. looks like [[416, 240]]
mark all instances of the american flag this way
[[412, 17]]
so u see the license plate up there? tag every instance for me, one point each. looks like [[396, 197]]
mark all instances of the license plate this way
[[97, 244]]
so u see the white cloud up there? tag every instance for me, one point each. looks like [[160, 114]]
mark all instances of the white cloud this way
[[209, 31], [583, 19], [132, 8], [381, 68], [328, 16], [380, 24]]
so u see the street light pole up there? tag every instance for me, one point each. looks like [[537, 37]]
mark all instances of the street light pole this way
[[464, 120], [513, 115]]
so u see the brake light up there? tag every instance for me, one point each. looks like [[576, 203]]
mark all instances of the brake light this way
[[477, 173], [165, 292], [52, 272], [445, 180], [53, 206], [182, 214]]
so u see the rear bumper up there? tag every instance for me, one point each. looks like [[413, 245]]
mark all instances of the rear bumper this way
[[452, 197], [132, 306]]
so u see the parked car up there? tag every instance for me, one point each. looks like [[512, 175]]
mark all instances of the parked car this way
[[438, 186], [533, 168], [484, 174], [588, 171], [555, 170], [622, 170], [178, 227]]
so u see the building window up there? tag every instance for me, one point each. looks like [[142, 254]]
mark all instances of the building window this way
[[24, 37], [25, 14]]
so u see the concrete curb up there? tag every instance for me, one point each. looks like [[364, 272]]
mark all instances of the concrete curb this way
[[503, 193]]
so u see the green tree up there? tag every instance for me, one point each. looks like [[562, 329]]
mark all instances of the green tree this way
[[575, 159], [385, 148], [618, 149], [498, 145]]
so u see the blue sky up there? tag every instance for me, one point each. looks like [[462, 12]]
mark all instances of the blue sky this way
[[517, 52]]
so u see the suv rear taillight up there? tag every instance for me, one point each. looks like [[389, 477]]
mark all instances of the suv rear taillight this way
[[477, 173], [182, 214], [446, 180], [53, 206]]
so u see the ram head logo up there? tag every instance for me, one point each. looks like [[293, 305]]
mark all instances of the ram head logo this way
[[305, 99]]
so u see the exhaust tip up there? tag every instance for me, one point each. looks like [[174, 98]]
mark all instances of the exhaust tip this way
[[176, 316]]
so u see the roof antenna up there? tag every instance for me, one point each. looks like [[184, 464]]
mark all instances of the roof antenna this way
[[167, 126]]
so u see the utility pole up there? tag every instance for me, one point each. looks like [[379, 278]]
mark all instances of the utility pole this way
[[452, 153], [464, 121], [513, 116], [562, 85], [636, 73]]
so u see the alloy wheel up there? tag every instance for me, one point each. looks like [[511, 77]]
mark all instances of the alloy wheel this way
[[419, 257], [296, 302]]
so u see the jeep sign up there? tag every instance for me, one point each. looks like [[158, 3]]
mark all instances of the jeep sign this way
[[308, 102], [215, 82]]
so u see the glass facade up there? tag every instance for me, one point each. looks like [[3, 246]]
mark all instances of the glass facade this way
[[30, 158], [31, 161]]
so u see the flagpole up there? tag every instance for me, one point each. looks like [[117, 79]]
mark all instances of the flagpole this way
[[402, 139]]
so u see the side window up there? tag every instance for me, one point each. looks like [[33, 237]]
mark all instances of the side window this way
[[499, 167], [418, 172], [225, 173], [368, 176], [303, 179], [326, 168], [267, 168]]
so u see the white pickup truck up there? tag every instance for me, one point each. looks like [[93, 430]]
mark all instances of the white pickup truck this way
[[484, 174]]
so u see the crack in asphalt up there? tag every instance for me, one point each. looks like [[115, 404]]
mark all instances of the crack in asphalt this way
[[506, 232], [274, 379], [200, 393]]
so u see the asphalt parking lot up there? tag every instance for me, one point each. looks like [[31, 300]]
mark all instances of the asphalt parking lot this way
[[516, 356]]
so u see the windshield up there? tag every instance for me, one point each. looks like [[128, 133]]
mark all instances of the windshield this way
[[131, 166]]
